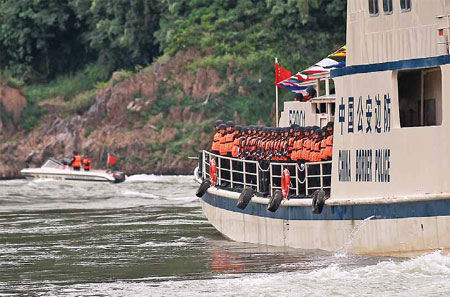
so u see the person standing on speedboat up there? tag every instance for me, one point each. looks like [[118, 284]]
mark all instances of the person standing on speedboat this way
[[75, 162], [87, 163]]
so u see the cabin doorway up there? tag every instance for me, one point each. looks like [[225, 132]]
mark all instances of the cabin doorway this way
[[420, 97]]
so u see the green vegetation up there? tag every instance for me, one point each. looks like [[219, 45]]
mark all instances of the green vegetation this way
[[70, 48], [31, 115], [68, 86]]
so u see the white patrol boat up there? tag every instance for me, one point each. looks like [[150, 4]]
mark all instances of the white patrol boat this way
[[57, 170], [390, 185]]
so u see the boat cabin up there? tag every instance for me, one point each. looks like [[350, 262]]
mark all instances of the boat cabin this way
[[388, 105]]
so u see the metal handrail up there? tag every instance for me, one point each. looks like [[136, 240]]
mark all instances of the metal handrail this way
[[297, 187], [321, 176], [231, 161]]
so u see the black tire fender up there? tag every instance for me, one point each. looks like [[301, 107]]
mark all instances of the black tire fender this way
[[275, 201], [202, 189], [318, 201], [244, 198]]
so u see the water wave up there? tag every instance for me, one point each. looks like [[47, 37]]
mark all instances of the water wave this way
[[423, 276]]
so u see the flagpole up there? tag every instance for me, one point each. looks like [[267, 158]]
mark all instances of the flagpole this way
[[276, 99]]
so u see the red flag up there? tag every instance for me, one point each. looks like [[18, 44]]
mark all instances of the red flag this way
[[111, 160], [281, 74]]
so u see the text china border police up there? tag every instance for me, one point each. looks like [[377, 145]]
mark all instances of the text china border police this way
[[373, 116]]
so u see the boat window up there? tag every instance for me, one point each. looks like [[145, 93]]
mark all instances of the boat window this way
[[387, 6], [52, 164], [420, 97], [373, 7], [405, 5]]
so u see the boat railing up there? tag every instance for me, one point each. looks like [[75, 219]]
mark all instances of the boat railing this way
[[236, 173], [318, 176], [296, 173], [232, 171]]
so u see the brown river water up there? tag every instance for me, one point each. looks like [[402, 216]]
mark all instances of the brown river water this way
[[148, 237]]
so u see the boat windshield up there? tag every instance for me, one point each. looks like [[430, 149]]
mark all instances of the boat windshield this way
[[52, 164]]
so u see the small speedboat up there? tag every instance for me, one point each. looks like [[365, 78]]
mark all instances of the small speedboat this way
[[57, 170]]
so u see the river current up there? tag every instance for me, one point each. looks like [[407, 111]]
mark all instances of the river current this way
[[148, 237]]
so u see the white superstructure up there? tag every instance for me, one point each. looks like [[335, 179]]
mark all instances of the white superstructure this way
[[390, 187]]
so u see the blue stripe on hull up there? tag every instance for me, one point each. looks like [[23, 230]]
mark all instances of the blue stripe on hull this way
[[393, 65], [430, 208]]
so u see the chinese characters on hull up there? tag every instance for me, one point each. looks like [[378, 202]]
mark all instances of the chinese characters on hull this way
[[373, 116]]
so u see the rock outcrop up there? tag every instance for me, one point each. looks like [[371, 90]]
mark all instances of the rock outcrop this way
[[12, 102]]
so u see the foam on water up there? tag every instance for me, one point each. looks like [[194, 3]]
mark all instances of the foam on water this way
[[158, 178], [148, 237], [423, 276]]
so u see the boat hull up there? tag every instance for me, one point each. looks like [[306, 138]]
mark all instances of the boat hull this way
[[405, 228], [69, 175]]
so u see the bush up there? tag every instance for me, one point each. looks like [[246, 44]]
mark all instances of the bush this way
[[31, 115], [68, 86], [82, 102]]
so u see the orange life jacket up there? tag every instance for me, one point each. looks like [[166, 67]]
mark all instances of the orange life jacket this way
[[229, 139], [306, 149], [329, 149], [317, 151], [242, 146], [87, 164], [323, 148], [290, 146], [215, 146], [235, 150], [223, 145], [77, 161]]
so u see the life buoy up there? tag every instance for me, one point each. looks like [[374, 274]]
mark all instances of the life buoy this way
[[213, 172], [285, 183]]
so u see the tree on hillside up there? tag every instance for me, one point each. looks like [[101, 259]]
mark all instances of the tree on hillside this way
[[120, 31], [39, 38]]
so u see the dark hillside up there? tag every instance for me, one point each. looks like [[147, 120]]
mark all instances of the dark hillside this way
[[214, 59]]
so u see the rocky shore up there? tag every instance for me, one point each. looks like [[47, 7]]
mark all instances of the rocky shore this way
[[128, 119]]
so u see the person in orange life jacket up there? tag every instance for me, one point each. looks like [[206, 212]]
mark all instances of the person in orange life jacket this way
[[223, 140], [87, 163], [237, 136], [314, 152], [223, 152], [75, 162], [293, 136], [329, 149], [226, 146], [316, 146], [328, 154], [237, 176], [284, 144], [277, 144], [298, 142], [323, 144], [261, 149], [215, 146], [306, 145], [263, 144], [258, 143], [229, 137], [243, 142], [251, 140]]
